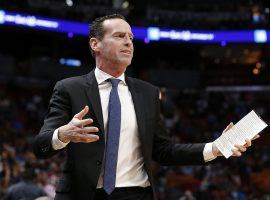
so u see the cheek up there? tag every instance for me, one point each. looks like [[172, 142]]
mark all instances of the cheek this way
[[107, 50], [110, 48]]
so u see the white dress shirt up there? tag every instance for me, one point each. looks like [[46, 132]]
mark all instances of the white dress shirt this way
[[130, 171]]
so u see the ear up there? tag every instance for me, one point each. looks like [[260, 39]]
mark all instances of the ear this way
[[94, 44]]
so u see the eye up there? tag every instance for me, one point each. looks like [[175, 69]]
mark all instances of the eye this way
[[120, 35]]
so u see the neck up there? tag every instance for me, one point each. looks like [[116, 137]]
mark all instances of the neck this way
[[114, 70]]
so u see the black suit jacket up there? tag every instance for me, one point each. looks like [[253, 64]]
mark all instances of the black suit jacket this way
[[83, 163]]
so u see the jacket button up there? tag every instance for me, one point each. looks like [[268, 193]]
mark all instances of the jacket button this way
[[45, 149]]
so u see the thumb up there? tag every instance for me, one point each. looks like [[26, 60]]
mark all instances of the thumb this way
[[228, 127], [82, 113]]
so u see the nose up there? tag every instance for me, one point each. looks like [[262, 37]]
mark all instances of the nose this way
[[128, 41]]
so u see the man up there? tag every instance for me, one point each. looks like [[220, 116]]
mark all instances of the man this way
[[110, 125], [25, 189]]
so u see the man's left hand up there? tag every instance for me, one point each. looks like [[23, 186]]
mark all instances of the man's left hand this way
[[239, 149]]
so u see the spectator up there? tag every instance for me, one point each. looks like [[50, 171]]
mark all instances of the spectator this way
[[25, 189]]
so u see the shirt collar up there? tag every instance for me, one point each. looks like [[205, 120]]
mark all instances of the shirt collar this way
[[102, 76]]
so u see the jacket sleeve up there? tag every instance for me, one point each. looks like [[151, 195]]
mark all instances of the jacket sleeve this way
[[168, 153], [58, 114]]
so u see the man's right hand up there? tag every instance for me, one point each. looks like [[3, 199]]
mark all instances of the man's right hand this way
[[77, 130]]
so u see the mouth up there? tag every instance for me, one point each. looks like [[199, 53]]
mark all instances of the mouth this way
[[126, 52]]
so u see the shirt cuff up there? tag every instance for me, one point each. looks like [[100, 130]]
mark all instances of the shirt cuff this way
[[56, 143], [208, 153]]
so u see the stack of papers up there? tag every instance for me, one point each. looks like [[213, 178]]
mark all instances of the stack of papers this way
[[248, 127]]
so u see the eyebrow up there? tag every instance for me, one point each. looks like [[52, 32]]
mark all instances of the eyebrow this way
[[119, 32]]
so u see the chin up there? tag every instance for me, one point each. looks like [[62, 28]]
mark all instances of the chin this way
[[126, 61]]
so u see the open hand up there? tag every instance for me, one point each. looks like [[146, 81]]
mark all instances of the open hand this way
[[77, 130]]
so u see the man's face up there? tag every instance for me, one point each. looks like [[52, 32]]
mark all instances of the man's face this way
[[116, 47]]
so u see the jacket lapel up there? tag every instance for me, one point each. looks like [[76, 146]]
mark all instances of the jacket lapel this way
[[94, 97], [137, 97]]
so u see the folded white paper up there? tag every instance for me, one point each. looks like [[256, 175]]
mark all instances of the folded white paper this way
[[246, 128]]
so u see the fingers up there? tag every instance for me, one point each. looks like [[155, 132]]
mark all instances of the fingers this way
[[83, 122], [255, 137], [82, 135], [77, 130], [240, 148], [83, 112], [248, 143], [236, 153], [83, 138], [85, 130], [72, 133]]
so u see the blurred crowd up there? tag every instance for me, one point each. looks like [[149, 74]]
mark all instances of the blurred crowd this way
[[21, 174], [185, 14], [201, 116], [193, 116], [224, 15]]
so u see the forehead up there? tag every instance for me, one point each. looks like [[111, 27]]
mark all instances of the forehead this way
[[111, 26]]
